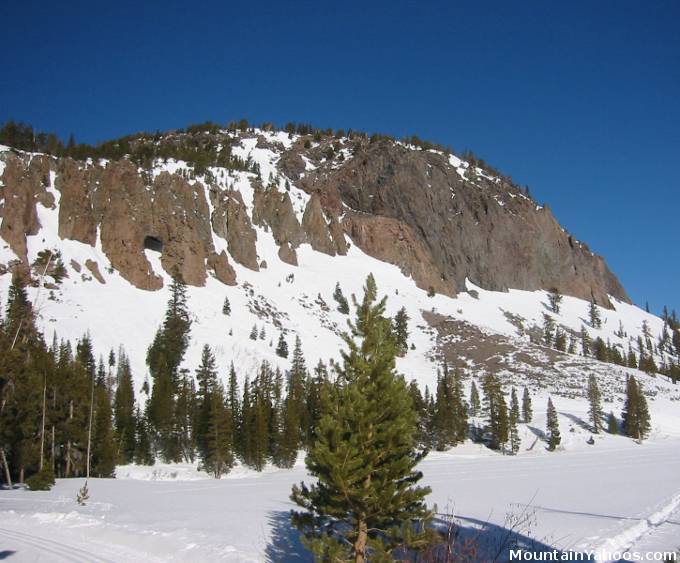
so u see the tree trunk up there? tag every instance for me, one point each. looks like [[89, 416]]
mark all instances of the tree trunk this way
[[360, 544], [21, 474], [8, 476], [68, 444], [42, 426], [89, 430]]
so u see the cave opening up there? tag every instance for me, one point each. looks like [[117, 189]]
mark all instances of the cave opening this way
[[153, 243]]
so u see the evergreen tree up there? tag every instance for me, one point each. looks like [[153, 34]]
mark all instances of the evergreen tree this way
[[253, 332], [636, 419], [474, 400], [585, 341], [513, 420], [226, 307], [595, 404], [185, 413], [124, 411], [560, 340], [553, 427], [297, 417], [497, 410], [282, 347], [234, 404], [143, 453], [19, 315], [164, 357], [420, 406], [555, 300], [343, 306], [548, 329], [594, 315], [316, 387], [365, 496], [400, 327], [218, 454], [103, 443], [206, 377], [612, 424], [450, 412]]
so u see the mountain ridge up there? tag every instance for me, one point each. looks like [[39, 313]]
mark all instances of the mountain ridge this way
[[441, 219]]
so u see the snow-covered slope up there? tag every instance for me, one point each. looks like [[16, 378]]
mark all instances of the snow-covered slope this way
[[295, 300]]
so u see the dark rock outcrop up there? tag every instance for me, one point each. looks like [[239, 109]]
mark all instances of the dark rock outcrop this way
[[409, 207], [288, 255], [24, 185], [181, 221], [274, 209], [316, 228], [484, 230], [94, 270], [76, 215], [395, 242], [123, 209], [231, 222], [219, 264]]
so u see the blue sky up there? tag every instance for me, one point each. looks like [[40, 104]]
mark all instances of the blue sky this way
[[579, 100]]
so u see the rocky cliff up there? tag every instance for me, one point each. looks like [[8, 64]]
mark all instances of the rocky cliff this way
[[439, 219]]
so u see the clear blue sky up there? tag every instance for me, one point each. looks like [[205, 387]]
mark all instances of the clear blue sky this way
[[579, 100]]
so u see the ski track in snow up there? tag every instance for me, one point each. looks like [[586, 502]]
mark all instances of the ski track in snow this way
[[58, 551]]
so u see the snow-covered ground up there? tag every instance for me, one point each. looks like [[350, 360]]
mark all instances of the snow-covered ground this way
[[613, 496]]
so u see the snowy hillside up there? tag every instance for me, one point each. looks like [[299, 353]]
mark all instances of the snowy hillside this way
[[579, 496], [295, 300]]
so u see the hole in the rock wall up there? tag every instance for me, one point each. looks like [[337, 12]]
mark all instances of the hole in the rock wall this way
[[153, 243]]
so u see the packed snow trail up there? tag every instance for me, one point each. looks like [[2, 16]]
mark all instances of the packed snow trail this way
[[39, 548], [580, 498]]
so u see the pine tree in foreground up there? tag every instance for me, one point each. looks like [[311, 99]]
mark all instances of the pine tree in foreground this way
[[365, 501], [226, 307], [553, 427]]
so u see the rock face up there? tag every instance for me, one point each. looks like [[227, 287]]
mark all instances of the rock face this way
[[288, 255], [180, 220], [231, 222], [24, 185], [76, 186], [219, 264], [395, 242], [316, 228], [440, 221], [274, 209], [123, 209], [484, 230]]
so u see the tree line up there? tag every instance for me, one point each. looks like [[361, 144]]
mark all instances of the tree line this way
[[65, 411]]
